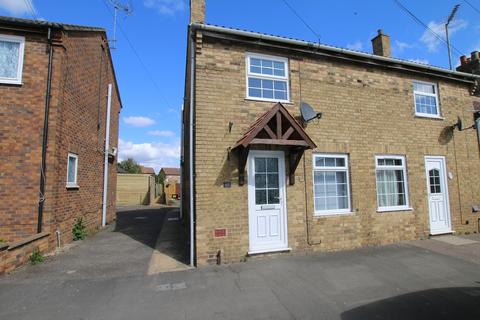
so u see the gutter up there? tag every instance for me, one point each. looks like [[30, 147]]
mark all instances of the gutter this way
[[354, 54], [43, 176]]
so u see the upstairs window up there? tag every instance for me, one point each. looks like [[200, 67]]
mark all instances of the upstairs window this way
[[267, 78], [426, 99], [11, 59], [72, 169]]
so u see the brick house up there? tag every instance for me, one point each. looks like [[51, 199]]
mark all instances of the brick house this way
[[172, 187], [384, 163], [55, 80]]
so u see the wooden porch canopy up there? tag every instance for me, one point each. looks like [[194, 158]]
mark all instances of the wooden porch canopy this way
[[276, 127]]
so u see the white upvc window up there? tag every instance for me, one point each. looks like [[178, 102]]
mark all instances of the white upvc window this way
[[72, 169], [392, 185], [331, 186], [11, 59], [267, 78], [426, 99]]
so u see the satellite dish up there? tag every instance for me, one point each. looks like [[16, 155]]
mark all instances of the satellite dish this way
[[308, 114]]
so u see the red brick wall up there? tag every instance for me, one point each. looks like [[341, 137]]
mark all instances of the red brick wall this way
[[80, 129], [21, 125], [81, 74]]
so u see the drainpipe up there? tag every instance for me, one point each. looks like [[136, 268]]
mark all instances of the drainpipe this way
[[43, 176], [191, 128], [105, 164]]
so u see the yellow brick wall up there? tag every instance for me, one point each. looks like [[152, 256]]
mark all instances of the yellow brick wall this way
[[366, 111]]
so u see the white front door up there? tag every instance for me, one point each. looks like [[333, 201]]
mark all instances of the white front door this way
[[267, 214], [438, 206]]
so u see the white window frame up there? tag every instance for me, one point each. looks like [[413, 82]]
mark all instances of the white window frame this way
[[72, 184], [405, 207], [345, 169], [435, 95], [21, 41], [285, 78]]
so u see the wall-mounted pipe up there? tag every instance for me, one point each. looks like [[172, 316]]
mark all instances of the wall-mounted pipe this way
[[43, 166], [191, 135], [105, 162]]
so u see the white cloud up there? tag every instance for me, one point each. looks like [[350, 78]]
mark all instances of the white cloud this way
[[431, 41], [151, 154], [17, 7], [162, 133], [424, 61], [166, 7], [138, 121], [401, 46], [355, 46]]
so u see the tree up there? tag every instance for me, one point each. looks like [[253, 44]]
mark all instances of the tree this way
[[160, 177], [130, 166]]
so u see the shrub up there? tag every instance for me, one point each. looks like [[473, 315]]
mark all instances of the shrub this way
[[79, 231], [36, 257]]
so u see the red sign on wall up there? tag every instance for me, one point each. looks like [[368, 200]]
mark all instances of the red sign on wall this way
[[220, 233]]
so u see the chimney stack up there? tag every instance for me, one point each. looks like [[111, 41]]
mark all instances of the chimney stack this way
[[197, 11], [470, 65], [381, 44]]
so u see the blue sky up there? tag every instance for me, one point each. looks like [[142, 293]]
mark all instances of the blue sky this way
[[152, 99]]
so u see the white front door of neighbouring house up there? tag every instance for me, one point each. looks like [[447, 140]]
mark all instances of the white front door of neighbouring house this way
[[438, 204], [267, 213]]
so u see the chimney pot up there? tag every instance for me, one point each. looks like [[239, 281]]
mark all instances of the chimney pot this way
[[197, 11], [463, 60], [381, 44], [475, 56]]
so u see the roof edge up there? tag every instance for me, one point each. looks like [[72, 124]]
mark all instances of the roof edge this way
[[310, 45]]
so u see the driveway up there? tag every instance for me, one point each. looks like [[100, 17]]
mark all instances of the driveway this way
[[403, 281]]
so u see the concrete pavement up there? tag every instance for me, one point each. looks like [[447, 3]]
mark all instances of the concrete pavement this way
[[391, 282]]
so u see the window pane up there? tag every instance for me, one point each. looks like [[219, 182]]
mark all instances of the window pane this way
[[319, 161], [260, 180], [260, 165], [254, 83], [272, 165], [268, 94], [267, 84], [71, 169], [260, 196], [279, 65], [9, 52], [267, 63], [320, 204], [341, 177], [330, 177], [426, 104], [391, 187], [424, 87], [330, 162], [342, 190], [273, 196], [280, 85], [279, 73], [255, 62], [319, 177], [342, 203], [257, 93], [255, 69], [272, 180], [280, 95], [340, 162]]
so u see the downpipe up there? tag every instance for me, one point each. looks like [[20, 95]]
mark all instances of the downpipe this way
[[191, 162], [105, 162]]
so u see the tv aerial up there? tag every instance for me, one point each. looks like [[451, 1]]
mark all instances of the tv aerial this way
[[308, 113], [127, 9]]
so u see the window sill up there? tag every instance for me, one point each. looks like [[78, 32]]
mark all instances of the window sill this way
[[394, 209], [269, 100], [11, 82], [333, 214], [72, 186], [426, 116]]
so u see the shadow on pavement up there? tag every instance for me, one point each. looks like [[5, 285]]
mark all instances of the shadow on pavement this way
[[142, 225], [160, 229], [442, 303]]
